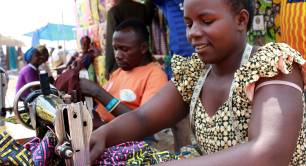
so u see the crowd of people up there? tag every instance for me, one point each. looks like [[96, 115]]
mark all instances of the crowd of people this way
[[224, 92]]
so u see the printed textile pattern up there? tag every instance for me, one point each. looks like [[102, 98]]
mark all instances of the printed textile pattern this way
[[43, 150], [12, 153], [265, 14], [216, 133], [134, 153]]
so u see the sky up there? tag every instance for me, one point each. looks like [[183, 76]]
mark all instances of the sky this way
[[18, 17]]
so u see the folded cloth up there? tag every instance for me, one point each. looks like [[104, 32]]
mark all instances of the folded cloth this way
[[43, 150], [133, 153], [69, 81], [12, 153]]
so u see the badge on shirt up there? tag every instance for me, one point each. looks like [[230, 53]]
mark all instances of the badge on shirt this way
[[127, 95]]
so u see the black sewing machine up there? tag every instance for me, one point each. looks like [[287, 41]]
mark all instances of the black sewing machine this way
[[45, 108]]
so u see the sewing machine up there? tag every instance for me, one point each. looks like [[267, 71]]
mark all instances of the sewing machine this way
[[45, 108], [3, 89]]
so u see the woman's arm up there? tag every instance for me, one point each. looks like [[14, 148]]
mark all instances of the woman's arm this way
[[273, 128], [161, 111]]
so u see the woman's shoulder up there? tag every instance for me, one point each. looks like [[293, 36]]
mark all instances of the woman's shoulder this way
[[186, 72], [180, 64], [25, 69], [277, 50], [269, 61], [273, 56]]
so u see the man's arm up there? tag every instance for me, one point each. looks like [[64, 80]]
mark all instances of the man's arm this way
[[90, 88]]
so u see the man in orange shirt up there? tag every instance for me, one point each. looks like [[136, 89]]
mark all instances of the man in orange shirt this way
[[137, 79]]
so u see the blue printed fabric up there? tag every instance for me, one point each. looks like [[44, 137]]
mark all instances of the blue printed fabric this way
[[172, 10], [12, 153], [292, 1]]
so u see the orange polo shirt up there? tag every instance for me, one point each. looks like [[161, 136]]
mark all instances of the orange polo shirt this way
[[133, 88]]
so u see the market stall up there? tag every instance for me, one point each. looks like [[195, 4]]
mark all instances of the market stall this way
[[11, 56]]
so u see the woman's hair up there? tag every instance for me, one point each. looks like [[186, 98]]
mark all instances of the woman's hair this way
[[29, 53], [238, 5], [44, 51], [85, 39]]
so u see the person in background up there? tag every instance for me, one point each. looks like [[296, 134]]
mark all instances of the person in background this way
[[30, 72], [45, 65], [58, 57], [123, 10], [85, 57], [235, 92], [179, 45], [137, 79]]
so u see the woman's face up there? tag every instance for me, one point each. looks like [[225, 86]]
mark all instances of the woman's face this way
[[212, 29], [85, 44], [37, 59]]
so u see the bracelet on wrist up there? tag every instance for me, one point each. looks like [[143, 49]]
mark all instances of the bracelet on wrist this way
[[111, 104], [114, 107]]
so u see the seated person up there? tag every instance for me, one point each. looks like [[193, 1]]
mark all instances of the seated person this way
[[138, 77], [86, 54], [45, 65], [57, 57], [85, 57], [30, 73]]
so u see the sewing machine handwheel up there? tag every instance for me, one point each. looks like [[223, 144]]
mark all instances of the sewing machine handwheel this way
[[22, 114]]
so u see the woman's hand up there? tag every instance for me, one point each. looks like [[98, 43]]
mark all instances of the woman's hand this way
[[97, 145], [88, 88]]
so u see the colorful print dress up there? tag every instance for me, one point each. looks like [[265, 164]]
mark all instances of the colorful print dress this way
[[215, 133]]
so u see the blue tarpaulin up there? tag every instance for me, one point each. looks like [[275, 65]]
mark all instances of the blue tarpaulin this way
[[53, 32]]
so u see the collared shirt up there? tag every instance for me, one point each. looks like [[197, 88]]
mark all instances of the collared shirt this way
[[27, 74], [32, 66]]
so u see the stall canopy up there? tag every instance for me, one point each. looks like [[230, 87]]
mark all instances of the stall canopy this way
[[4, 40], [53, 32]]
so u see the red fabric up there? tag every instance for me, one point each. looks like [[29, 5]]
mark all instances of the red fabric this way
[[69, 81]]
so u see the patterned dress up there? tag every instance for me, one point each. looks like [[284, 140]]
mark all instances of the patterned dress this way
[[215, 133]]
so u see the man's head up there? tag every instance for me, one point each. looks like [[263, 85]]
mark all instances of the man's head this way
[[131, 44]]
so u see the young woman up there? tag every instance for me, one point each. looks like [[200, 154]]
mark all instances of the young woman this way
[[246, 104], [30, 72]]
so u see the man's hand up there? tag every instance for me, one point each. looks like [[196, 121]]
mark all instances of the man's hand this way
[[88, 88]]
